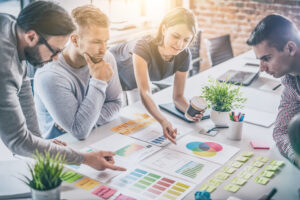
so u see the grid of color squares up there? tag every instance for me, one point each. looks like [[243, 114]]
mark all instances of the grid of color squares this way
[[247, 172], [190, 169], [151, 186], [143, 120], [88, 184]]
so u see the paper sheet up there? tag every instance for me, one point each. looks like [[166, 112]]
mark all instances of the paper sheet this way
[[181, 165], [143, 183], [205, 149]]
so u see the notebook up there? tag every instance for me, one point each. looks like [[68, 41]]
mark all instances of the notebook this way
[[239, 77], [171, 108]]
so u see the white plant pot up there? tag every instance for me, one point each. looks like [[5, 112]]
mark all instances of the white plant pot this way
[[53, 194], [219, 118]]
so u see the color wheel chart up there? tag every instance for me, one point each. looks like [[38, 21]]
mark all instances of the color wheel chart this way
[[206, 149], [144, 184]]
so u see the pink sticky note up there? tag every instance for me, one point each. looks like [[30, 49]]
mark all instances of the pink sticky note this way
[[104, 192], [124, 197], [259, 145]]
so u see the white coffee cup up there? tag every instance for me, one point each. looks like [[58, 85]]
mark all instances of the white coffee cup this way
[[196, 106], [235, 130]]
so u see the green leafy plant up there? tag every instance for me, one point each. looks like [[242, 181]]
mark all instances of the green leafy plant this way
[[46, 171], [223, 96]]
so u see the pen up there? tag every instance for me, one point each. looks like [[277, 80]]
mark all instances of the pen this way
[[276, 87], [271, 194]]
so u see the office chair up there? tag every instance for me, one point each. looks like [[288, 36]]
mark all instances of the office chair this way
[[219, 49]]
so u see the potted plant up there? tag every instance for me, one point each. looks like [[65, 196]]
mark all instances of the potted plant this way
[[45, 178], [222, 97]]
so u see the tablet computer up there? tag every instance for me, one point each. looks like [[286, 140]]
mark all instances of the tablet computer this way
[[171, 108]]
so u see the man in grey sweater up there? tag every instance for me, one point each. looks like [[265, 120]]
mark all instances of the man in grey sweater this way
[[38, 35], [70, 94]]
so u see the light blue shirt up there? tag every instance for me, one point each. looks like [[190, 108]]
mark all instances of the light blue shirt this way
[[73, 100]]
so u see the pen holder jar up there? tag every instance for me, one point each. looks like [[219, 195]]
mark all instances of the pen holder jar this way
[[235, 130]]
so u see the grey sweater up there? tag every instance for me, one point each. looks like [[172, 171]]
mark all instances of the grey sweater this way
[[19, 129], [74, 101]]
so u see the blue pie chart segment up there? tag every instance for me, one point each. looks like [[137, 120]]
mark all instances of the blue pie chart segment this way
[[198, 146]]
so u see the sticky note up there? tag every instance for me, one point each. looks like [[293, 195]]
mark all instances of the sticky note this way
[[236, 164], [124, 197], [267, 174], [231, 188], [247, 154], [70, 176], [208, 188], [87, 183], [251, 169], [242, 158], [261, 158], [222, 176], [215, 182], [259, 145], [261, 180], [272, 167], [277, 163], [104, 192], [238, 181], [229, 170], [257, 163], [245, 175]]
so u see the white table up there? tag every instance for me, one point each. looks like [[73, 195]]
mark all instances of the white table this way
[[287, 181]]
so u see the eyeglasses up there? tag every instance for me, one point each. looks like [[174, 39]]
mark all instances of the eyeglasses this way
[[44, 41]]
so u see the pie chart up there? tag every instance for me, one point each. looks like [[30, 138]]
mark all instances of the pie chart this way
[[204, 149]]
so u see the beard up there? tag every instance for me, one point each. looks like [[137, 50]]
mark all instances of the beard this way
[[33, 56]]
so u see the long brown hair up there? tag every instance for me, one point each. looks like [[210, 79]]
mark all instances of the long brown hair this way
[[176, 16]]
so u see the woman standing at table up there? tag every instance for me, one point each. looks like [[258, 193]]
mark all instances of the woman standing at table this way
[[155, 58]]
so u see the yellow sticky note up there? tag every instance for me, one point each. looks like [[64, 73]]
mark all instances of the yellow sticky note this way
[[87, 183]]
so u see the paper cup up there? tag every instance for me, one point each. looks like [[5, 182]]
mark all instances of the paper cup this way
[[235, 130], [197, 104]]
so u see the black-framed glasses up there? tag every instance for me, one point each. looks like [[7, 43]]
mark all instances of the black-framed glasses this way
[[44, 41]]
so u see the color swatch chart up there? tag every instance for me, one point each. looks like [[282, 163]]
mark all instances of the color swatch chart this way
[[190, 169], [143, 184], [143, 120], [154, 134]]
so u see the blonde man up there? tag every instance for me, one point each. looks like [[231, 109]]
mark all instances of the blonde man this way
[[81, 89]]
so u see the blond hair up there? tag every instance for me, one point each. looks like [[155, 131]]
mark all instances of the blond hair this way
[[89, 15]]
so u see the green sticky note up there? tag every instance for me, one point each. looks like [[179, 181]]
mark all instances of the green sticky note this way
[[262, 159], [70, 176], [238, 181], [231, 188], [208, 188], [251, 169], [257, 163], [236, 164], [242, 158], [278, 163], [222, 176], [245, 175], [229, 170], [267, 174], [247, 154], [272, 167], [261, 180], [215, 182]]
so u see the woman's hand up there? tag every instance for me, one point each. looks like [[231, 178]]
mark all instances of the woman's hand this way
[[169, 131], [198, 117]]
